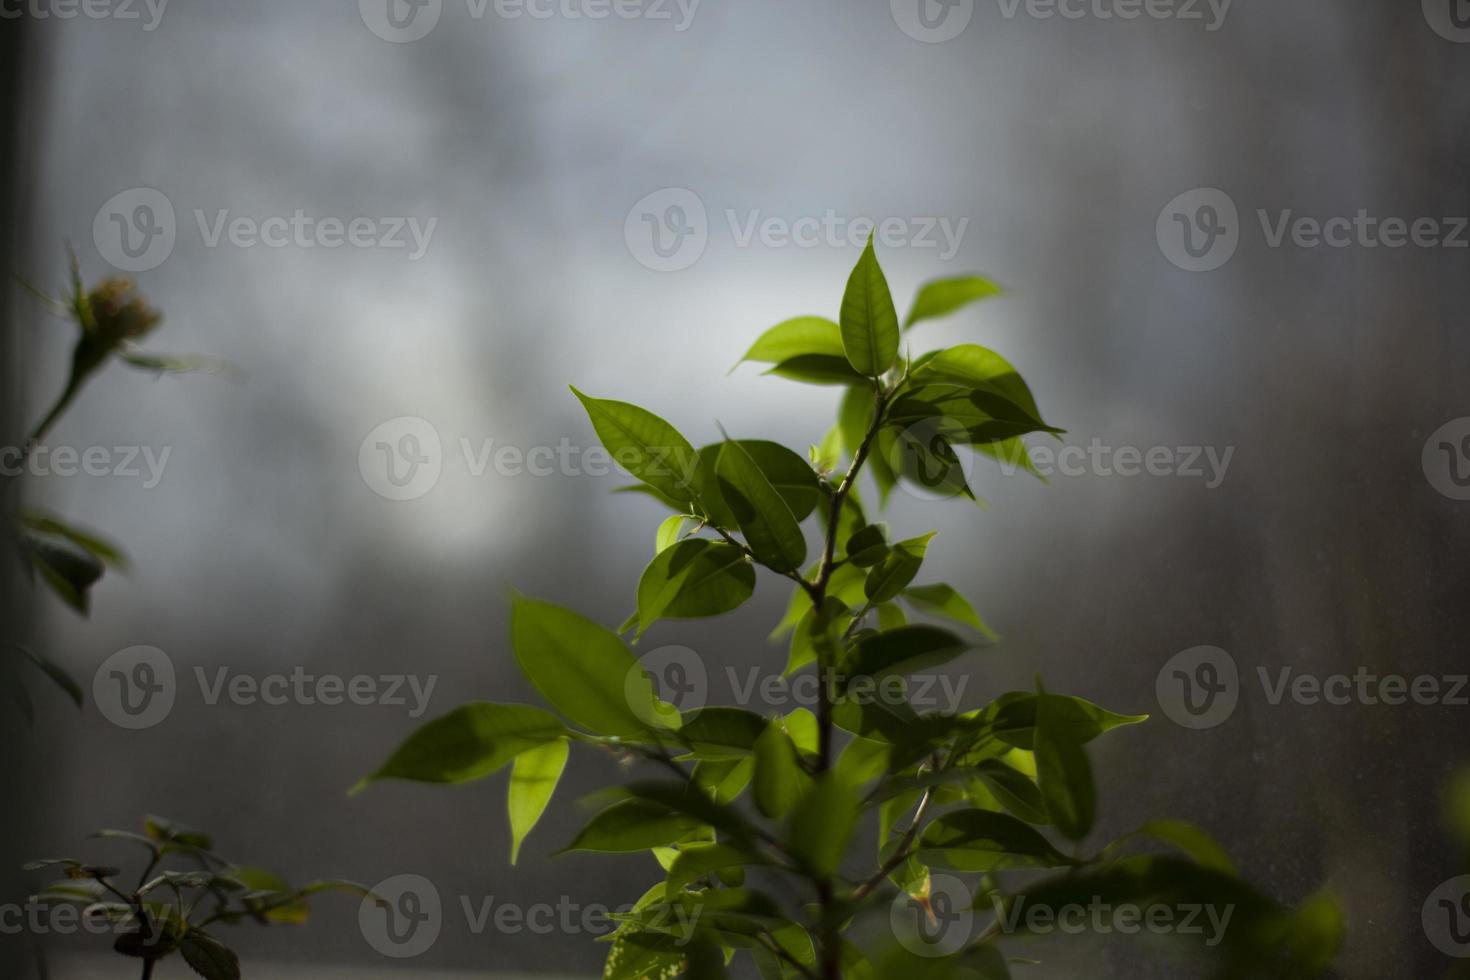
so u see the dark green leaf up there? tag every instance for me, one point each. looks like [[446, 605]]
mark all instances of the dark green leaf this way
[[633, 825], [694, 578], [905, 650], [1062, 771], [770, 528], [209, 957], [983, 840], [469, 743], [897, 569], [718, 733]]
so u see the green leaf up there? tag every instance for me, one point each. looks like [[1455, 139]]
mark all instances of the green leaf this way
[[644, 444], [869, 322], [468, 743], [818, 369], [694, 578], [645, 956], [979, 367], [854, 416], [703, 860], [817, 636], [898, 568], [585, 671], [983, 840], [822, 823], [868, 545], [779, 781], [724, 780], [770, 528], [1062, 770], [209, 957], [905, 650], [963, 413], [633, 825], [717, 733], [1012, 718], [797, 337], [533, 780], [943, 296], [789, 473], [943, 600], [1013, 790], [668, 532]]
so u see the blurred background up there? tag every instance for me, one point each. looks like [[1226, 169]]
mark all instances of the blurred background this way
[[554, 197]]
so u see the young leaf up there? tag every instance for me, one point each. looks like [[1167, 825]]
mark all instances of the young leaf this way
[[694, 578], [797, 337], [585, 671], [943, 296], [770, 528], [533, 780], [1062, 770], [469, 743], [644, 444], [869, 322], [897, 569]]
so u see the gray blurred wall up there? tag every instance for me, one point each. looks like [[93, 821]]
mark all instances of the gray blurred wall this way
[[263, 548]]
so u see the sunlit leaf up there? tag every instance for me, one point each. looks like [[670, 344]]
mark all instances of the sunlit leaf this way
[[869, 322], [533, 780]]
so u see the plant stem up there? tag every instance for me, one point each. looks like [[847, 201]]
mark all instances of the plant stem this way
[[148, 969], [831, 934]]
